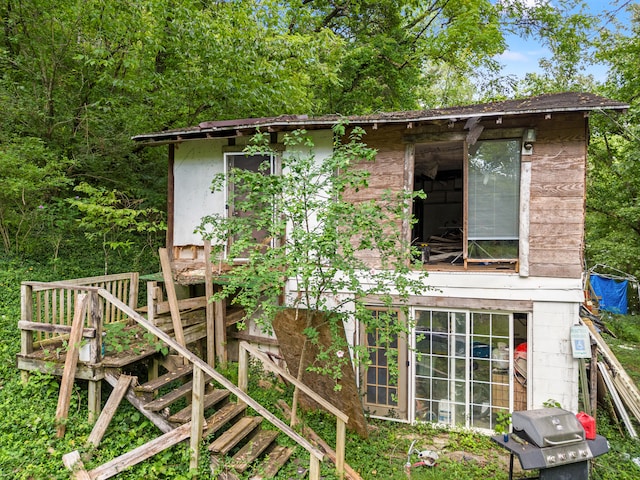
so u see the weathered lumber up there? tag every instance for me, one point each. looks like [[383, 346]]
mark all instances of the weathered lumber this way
[[171, 397], [223, 416], [197, 417], [617, 401], [210, 309], [54, 328], [277, 456], [210, 399], [158, 420], [165, 379], [253, 449], [170, 287], [229, 439], [66, 385], [109, 410], [350, 473], [141, 453], [73, 462]]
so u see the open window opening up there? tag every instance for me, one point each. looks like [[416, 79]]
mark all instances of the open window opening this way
[[471, 210], [438, 171]]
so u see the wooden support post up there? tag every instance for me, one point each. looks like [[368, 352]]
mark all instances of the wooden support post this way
[[94, 402], [220, 321], [314, 468], [210, 308], [243, 369], [95, 355], [341, 430], [197, 417], [110, 408], [26, 314], [70, 364], [151, 302], [171, 296]]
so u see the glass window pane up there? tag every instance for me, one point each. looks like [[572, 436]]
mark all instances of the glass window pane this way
[[494, 190], [440, 322]]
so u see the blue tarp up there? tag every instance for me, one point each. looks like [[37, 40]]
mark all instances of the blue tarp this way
[[612, 293]]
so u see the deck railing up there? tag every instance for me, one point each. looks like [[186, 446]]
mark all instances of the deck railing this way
[[200, 368], [47, 309]]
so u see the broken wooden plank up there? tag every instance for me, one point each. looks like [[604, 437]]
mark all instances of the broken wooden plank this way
[[73, 463], [174, 395], [109, 410], [617, 401], [139, 403], [170, 287], [54, 328], [141, 453], [68, 375]]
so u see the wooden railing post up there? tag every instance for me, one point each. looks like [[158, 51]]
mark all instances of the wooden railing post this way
[[197, 417], [243, 369], [94, 392], [314, 468], [341, 429], [26, 314]]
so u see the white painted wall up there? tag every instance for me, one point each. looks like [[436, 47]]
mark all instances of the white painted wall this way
[[195, 164], [552, 369]]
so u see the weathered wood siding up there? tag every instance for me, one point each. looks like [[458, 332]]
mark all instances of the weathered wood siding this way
[[557, 203]]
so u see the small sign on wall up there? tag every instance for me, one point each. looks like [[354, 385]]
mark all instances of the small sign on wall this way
[[580, 342]]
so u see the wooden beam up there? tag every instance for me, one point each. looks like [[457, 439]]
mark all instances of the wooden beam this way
[[54, 328], [210, 308], [68, 376], [141, 453], [109, 410], [73, 462], [221, 331], [197, 416], [171, 295]]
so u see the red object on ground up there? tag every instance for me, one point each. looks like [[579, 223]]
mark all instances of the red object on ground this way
[[589, 425]]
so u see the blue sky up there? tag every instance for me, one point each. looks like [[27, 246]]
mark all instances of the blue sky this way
[[522, 56]]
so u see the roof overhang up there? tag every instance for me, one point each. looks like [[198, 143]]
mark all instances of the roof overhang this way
[[542, 104]]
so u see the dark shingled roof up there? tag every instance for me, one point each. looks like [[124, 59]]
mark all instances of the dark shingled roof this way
[[548, 103]]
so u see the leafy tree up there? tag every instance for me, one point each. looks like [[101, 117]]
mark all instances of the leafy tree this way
[[32, 177], [111, 217], [613, 213], [319, 240]]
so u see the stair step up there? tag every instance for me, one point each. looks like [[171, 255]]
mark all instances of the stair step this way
[[277, 456], [165, 379], [229, 439], [171, 397], [253, 449], [219, 419], [210, 399]]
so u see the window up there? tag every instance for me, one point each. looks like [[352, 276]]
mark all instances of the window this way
[[254, 163], [471, 212], [463, 369], [493, 190], [384, 378]]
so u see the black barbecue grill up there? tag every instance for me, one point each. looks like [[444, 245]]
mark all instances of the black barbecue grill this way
[[553, 441]]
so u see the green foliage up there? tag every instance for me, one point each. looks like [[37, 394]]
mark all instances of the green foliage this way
[[113, 218], [321, 239]]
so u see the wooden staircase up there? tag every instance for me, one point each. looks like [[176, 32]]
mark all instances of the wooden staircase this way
[[237, 442]]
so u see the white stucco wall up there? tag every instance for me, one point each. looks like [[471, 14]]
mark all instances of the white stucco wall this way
[[552, 368], [196, 163]]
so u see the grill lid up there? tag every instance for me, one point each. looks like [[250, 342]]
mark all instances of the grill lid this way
[[548, 427]]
